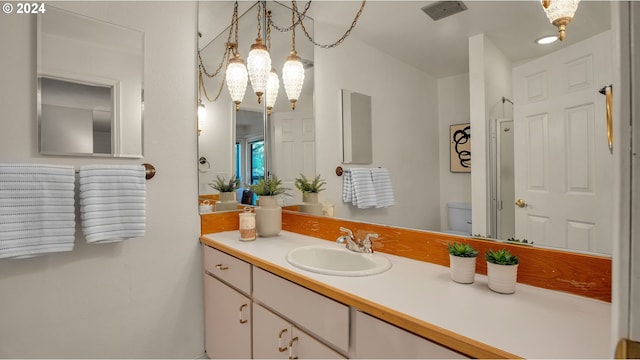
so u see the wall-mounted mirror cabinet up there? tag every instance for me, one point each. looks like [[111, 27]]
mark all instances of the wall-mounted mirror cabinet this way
[[89, 77], [357, 147]]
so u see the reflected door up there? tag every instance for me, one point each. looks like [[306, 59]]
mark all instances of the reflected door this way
[[562, 165], [293, 148]]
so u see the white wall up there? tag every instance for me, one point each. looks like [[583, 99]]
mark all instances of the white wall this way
[[137, 299], [405, 129], [489, 81], [453, 108]]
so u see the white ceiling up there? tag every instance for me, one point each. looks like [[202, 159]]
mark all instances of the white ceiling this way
[[440, 48]]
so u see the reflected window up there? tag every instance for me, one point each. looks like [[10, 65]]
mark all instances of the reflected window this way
[[239, 162], [257, 160]]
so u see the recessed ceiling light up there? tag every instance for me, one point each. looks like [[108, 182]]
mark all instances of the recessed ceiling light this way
[[547, 39]]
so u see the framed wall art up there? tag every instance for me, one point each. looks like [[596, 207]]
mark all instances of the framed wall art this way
[[460, 148]]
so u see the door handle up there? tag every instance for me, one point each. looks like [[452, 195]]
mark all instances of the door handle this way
[[520, 203], [280, 347], [608, 92]]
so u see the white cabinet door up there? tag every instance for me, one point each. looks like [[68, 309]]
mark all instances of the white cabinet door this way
[[271, 335], [227, 321], [304, 346], [276, 338], [376, 339]]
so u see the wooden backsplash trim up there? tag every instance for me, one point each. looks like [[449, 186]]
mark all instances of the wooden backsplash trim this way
[[579, 274]]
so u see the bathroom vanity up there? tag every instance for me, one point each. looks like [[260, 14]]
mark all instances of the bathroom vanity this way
[[259, 305]]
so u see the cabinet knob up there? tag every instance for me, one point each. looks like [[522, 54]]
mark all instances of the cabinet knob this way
[[221, 267]]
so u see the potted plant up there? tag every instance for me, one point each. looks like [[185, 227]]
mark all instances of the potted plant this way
[[462, 262], [310, 190], [268, 213], [227, 191], [502, 270]]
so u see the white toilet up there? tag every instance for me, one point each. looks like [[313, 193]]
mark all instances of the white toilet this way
[[459, 218]]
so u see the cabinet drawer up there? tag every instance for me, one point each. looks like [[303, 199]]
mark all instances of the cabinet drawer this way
[[325, 318], [228, 268], [375, 339]]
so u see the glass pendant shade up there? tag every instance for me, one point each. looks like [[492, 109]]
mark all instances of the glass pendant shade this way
[[202, 115], [237, 78], [273, 86], [560, 13], [293, 77], [259, 65]]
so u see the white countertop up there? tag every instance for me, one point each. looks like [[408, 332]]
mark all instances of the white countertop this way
[[531, 323]]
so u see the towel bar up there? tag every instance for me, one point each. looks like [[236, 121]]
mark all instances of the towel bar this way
[[149, 171]]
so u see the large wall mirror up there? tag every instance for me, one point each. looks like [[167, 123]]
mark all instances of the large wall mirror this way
[[252, 141], [413, 110], [90, 76]]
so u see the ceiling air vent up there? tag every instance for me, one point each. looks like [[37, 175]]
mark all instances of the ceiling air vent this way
[[442, 9]]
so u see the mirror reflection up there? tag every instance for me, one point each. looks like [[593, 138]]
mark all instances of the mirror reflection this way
[[89, 86], [432, 74], [235, 142]]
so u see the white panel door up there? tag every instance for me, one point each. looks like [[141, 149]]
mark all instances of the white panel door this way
[[293, 148], [563, 167]]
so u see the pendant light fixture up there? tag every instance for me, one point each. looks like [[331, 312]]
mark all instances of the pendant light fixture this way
[[258, 70], [236, 73], [202, 111], [259, 61], [560, 13], [292, 70], [273, 83], [273, 86], [237, 78]]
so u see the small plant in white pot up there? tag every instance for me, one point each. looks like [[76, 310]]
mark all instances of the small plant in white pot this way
[[310, 190], [268, 212], [502, 270], [227, 191], [462, 262]]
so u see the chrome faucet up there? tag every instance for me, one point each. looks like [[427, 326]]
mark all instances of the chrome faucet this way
[[354, 244]]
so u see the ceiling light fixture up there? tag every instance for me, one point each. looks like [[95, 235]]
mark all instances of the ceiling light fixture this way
[[548, 39], [259, 62], [292, 70], [560, 13], [264, 80]]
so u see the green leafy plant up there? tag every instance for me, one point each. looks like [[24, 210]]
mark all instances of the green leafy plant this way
[[303, 184], [222, 185], [501, 257], [270, 186], [461, 250], [520, 242]]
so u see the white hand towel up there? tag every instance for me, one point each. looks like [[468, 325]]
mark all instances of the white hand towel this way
[[347, 187], [112, 202], [383, 188], [364, 195], [37, 213]]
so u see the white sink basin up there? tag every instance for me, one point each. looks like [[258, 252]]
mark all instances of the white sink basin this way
[[332, 260]]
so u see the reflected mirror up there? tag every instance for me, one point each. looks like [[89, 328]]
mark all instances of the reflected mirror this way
[[423, 76], [89, 86]]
